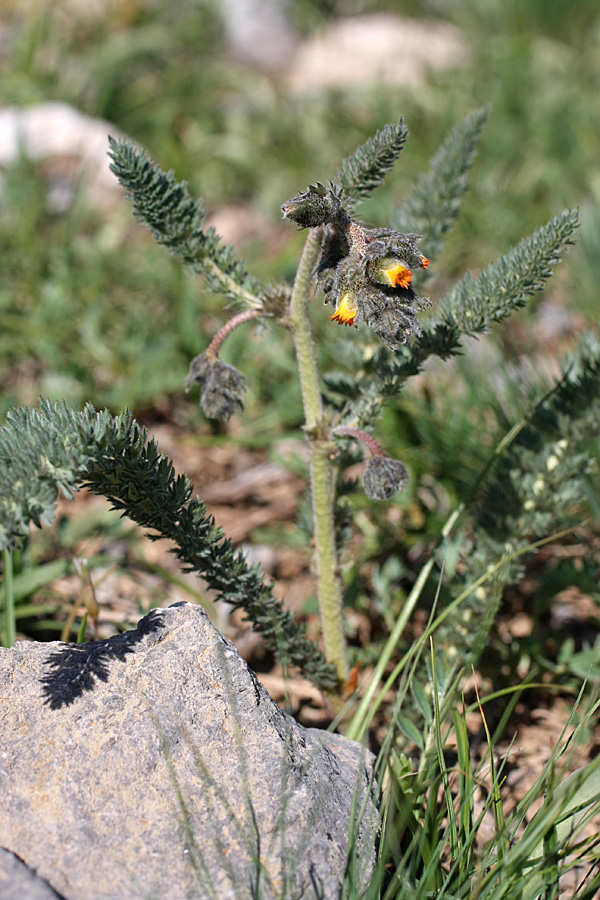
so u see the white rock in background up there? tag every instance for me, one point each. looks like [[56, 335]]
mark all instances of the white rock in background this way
[[55, 132], [259, 32], [361, 51]]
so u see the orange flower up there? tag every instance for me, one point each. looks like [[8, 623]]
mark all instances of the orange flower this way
[[391, 271], [346, 311], [398, 275]]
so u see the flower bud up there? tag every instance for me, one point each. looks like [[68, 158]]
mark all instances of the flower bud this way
[[222, 386], [391, 314], [383, 477], [387, 242], [365, 272], [315, 206]]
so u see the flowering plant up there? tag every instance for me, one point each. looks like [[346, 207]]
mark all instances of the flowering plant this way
[[372, 276]]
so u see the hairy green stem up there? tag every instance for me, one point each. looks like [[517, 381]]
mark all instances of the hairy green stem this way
[[10, 631], [300, 327], [329, 590]]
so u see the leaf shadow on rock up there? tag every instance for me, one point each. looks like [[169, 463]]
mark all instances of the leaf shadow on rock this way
[[75, 669]]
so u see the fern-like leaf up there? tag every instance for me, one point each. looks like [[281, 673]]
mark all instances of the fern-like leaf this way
[[434, 202], [505, 286], [175, 219], [538, 484], [366, 168], [543, 473], [473, 305], [56, 448], [470, 308]]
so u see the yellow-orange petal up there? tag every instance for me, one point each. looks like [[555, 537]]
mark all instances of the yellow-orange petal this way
[[424, 262], [346, 312], [398, 275]]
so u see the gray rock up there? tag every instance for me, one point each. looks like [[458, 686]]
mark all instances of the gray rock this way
[[18, 882], [154, 765]]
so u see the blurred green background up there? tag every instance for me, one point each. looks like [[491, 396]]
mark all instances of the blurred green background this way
[[90, 309]]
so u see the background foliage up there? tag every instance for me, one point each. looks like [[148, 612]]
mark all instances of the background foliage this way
[[92, 310], [116, 328]]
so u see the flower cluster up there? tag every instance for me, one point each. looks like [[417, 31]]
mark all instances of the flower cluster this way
[[365, 272]]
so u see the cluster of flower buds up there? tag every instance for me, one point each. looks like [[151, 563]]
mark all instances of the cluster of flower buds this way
[[365, 272], [222, 385]]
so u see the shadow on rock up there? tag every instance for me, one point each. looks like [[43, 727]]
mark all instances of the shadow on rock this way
[[77, 668]]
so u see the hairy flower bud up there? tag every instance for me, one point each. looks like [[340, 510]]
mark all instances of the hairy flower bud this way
[[383, 477], [391, 313], [222, 386], [366, 273], [315, 206]]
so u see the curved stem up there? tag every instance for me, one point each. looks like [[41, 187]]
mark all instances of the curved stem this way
[[240, 319], [328, 582], [359, 435]]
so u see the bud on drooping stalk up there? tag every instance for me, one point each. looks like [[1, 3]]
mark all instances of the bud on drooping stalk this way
[[383, 477], [365, 272], [222, 386]]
